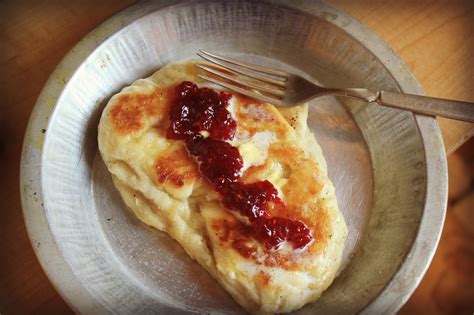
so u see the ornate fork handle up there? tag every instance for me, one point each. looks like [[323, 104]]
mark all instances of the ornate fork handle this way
[[424, 105]]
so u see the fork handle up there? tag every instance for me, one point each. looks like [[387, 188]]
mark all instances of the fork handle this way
[[428, 105]]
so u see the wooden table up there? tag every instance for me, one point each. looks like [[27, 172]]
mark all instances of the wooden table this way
[[434, 38]]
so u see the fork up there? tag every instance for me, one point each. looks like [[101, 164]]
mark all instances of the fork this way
[[285, 89]]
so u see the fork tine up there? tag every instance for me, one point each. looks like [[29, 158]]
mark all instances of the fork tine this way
[[245, 83], [265, 70], [237, 89], [242, 71]]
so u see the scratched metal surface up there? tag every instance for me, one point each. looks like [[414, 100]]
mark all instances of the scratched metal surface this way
[[382, 161]]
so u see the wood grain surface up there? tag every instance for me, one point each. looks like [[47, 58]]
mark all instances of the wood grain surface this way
[[434, 37]]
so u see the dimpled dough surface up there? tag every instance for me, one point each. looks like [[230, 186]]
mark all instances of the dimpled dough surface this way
[[162, 185]]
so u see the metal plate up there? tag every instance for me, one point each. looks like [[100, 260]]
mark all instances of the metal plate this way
[[388, 166]]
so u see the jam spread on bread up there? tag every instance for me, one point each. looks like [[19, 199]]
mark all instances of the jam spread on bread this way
[[199, 117]]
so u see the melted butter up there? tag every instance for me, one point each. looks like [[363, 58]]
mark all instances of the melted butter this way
[[250, 154], [254, 149]]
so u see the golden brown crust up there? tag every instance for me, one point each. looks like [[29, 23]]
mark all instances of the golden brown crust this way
[[174, 166], [129, 109]]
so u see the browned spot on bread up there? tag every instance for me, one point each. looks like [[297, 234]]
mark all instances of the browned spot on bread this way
[[302, 188], [129, 109], [176, 167], [254, 116], [302, 194], [253, 173], [285, 154], [263, 278], [321, 231]]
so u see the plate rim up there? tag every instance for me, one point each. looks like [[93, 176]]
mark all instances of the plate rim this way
[[389, 300]]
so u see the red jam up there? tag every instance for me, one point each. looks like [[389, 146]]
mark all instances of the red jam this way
[[197, 109], [221, 163]]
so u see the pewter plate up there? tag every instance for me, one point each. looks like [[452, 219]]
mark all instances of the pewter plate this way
[[388, 166]]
